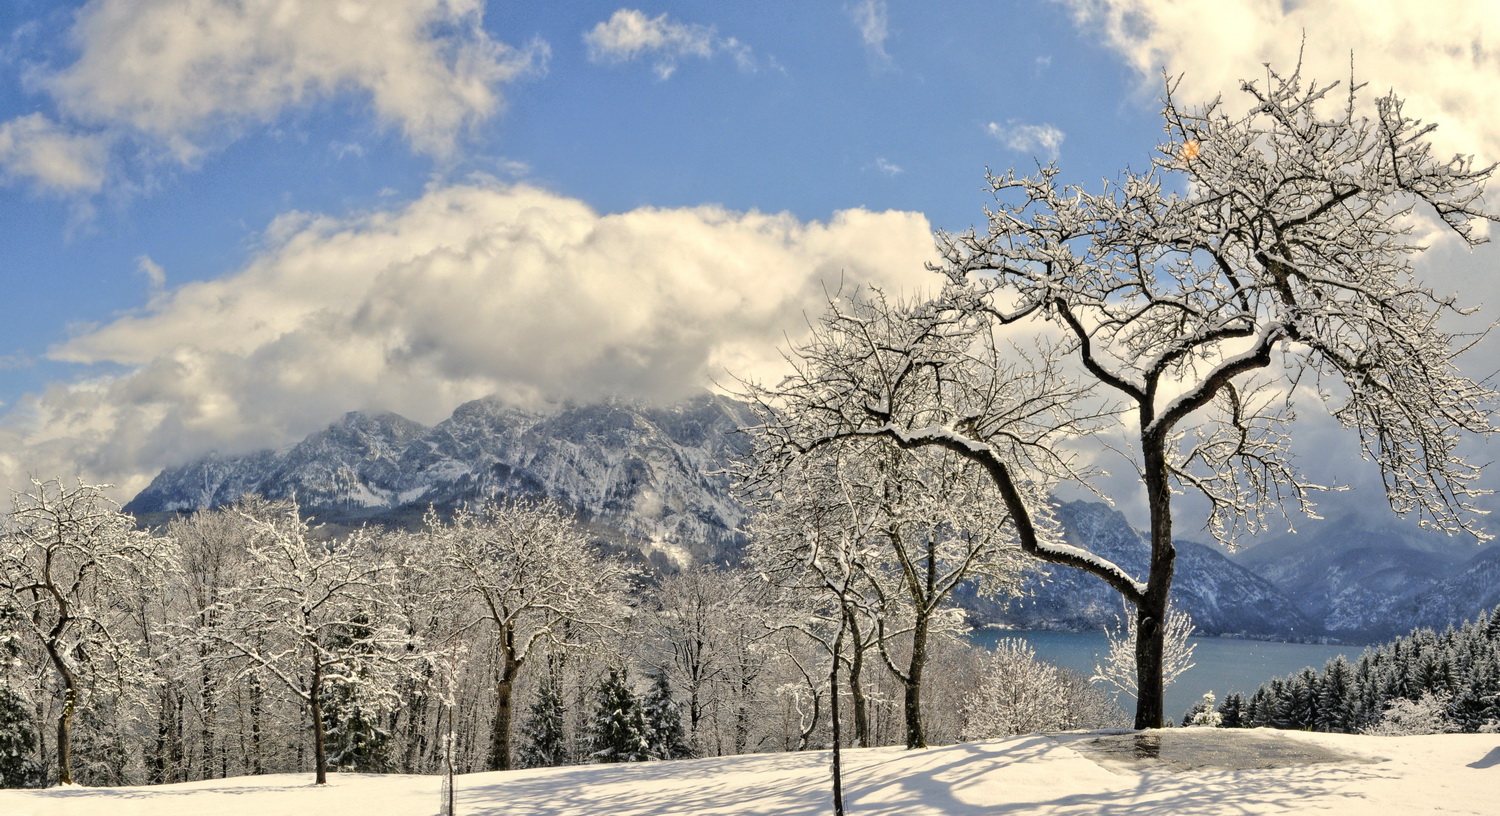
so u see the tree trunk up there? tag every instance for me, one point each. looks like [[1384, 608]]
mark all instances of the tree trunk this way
[[505, 689], [833, 690], [65, 716], [257, 763], [65, 738], [858, 703], [320, 747], [1151, 612], [916, 736]]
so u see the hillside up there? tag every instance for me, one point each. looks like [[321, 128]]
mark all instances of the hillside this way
[[1212, 773]]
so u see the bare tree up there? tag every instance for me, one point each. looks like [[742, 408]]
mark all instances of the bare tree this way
[[918, 528], [69, 560], [1286, 262], [306, 614], [535, 579]]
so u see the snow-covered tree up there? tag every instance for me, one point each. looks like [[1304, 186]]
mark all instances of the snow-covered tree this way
[[1404, 717], [1203, 714], [68, 556], [1118, 669], [308, 616], [1020, 694], [19, 767], [1232, 711], [1259, 251], [535, 578], [543, 739], [618, 730], [706, 620], [662, 719], [911, 529]]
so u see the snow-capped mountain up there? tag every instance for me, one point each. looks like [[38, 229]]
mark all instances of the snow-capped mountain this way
[[653, 480], [1223, 597], [1367, 580], [650, 478]]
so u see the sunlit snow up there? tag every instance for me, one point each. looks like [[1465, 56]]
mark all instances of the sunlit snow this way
[[1447, 774]]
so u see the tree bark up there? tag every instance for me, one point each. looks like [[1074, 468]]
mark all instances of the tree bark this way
[[1151, 610], [320, 746], [858, 703], [505, 689], [916, 736]]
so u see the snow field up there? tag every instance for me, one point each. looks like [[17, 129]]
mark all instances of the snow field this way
[[1035, 774]]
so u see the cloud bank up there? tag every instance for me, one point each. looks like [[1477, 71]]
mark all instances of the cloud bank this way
[[470, 290], [181, 78]]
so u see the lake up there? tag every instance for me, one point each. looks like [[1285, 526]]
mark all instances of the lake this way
[[1221, 665]]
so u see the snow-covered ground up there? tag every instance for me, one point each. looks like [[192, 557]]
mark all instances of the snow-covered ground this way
[[1389, 776]]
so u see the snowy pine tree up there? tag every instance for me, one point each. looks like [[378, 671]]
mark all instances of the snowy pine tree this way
[[662, 717], [1336, 698], [18, 743], [618, 732], [1232, 711], [543, 741]]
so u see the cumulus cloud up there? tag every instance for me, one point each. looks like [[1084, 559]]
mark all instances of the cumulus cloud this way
[[183, 77], [36, 148], [629, 34], [470, 290], [872, 20], [1445, 61], [1044, 140]]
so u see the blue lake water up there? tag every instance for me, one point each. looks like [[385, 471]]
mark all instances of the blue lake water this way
[[1221, 665]]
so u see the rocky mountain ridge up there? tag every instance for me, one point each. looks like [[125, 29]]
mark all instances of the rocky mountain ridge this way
[[654, 480], [650, 479]]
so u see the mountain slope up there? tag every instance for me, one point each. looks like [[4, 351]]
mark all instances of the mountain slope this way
[[649, 478], [1370, 580], [1222, 597]]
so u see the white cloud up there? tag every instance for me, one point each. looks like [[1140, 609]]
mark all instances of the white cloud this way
[[872, 20], [55, 160], [629, 34], [185, 75], [156, 277], [469, 290], [1444, 59], [889, 168], [1044, 140]]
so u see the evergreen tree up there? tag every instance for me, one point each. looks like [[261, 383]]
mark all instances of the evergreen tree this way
[[665, 738], [619, 727], [1232, 711], [543, 741], [18, 765], [356, 735], [1335, 698]]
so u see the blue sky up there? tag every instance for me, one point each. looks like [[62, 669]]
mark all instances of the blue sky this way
[[226, 223]]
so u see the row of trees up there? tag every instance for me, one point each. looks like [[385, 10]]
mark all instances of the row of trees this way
[[1425, 682], [245, 640]]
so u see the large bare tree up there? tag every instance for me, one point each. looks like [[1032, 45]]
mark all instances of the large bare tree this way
[[1260, 251]]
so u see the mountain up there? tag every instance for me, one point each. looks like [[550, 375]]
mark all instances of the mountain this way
[[1224, 598], [648, 478], [653, 480], [1369, 580]]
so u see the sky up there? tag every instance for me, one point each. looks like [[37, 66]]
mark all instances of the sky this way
[[224, 223]]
